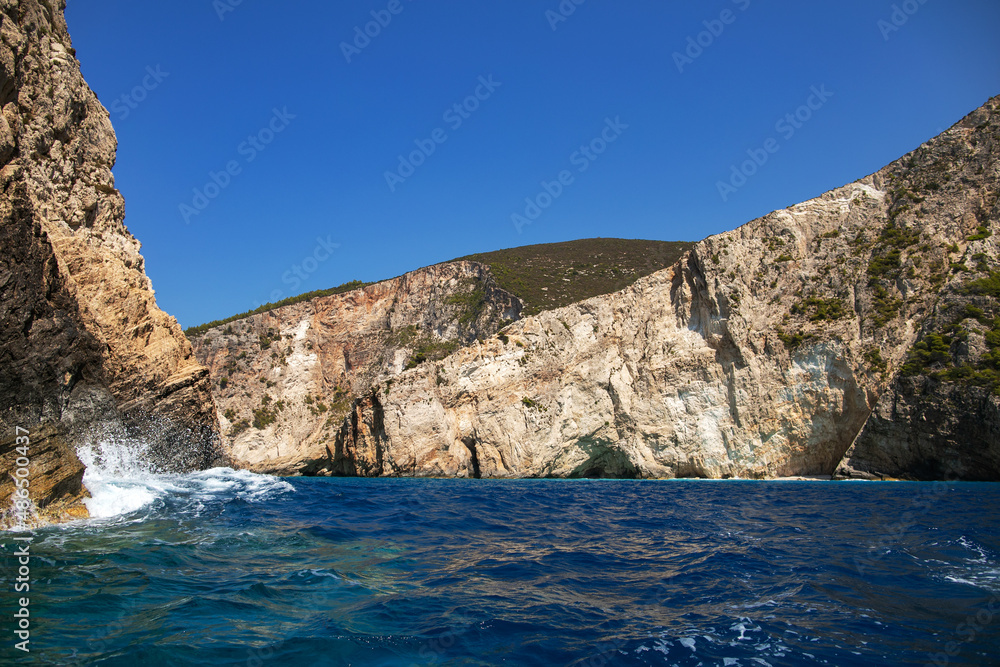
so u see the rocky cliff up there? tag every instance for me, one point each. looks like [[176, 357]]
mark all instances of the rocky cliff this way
[[284, 380], [85, 348], [763, 352], [939, 418]]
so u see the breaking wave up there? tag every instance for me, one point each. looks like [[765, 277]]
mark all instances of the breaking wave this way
[[122, 483]]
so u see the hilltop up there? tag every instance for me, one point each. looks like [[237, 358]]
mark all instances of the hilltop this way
[[543, 276], [552, 275]]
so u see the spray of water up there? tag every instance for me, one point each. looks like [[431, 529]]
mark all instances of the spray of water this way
[[122, 479], [119, 476], [21, 518]]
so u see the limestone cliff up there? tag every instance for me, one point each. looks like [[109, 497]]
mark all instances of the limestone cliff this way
[[940, 418], [85, 347], [761, 353], [284, 380]]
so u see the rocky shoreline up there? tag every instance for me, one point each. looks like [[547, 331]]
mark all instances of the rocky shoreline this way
[[853, 336]]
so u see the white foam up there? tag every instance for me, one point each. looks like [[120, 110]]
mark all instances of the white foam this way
[[110, 499], [122, 481], [980, 568], [324, 573], [981, 554], [116, 476]]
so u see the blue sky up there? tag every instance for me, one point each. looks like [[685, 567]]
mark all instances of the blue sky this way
[[254, 146]]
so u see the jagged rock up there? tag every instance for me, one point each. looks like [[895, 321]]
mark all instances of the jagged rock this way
[[922, 429], [85, 346], [285, 379], [761, 353], [940, 418]]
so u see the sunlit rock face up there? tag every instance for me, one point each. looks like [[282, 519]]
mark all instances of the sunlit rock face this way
[[284, 380], [761, 353], [85, 346]]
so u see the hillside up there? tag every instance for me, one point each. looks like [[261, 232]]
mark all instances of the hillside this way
[[552, 275], [274, 305], [548, 275], [762, 352], [284, 380]]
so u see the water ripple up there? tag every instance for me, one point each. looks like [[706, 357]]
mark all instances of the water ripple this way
[[229, 568]]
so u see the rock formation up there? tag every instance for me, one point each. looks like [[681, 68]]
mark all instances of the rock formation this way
[[85, 347], [284, 380], [856, 334], [762, 353], [940, 418]]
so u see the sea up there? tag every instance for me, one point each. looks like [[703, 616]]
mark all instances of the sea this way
[[225, 567]]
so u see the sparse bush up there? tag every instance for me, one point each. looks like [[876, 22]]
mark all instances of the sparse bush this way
[[982, 232], [792, 341], [875, 361], [934, 349], [238, 428], [262, 418], [817, 309]]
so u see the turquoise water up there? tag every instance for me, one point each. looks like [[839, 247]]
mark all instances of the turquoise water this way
[[231, 568]]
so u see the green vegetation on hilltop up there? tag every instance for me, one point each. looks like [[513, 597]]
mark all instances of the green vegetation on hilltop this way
[[346, 287], [543, 276], [552, 275]]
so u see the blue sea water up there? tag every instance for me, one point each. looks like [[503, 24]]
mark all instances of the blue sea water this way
[[231, 568]]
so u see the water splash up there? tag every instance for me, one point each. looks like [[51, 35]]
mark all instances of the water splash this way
[[122, 479], [22, 519], [118, 476]]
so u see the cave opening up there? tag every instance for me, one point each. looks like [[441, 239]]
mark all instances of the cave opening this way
[[470, 444]]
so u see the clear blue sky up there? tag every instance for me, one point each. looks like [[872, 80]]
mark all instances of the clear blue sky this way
[[324, 174]]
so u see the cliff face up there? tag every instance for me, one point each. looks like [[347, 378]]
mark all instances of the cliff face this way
[[85, 347], [284, 380], [761, 353], [940, 418]]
